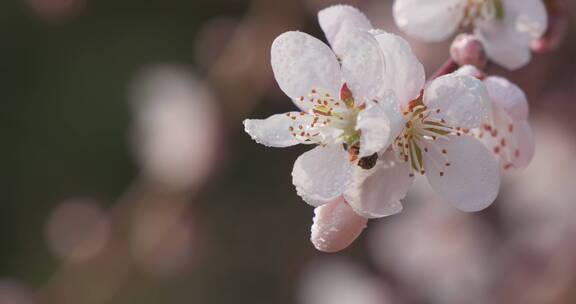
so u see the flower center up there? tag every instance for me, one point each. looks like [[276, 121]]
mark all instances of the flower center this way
[[482, 10], [422, 128], [330, 120]]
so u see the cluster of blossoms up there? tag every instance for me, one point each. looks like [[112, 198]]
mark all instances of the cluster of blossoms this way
[[376, 123], [505, 27]]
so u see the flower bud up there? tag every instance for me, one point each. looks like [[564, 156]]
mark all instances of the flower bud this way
[[468, 49], [336, 226]]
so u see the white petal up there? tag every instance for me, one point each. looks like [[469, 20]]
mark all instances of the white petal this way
[[301, 63], [322, 174], [504, 46], [403, 73], [463, 100], [429, 20], [377, 192], [335, 18], [380, 122], [274, 130], [509, 96], [524, 140], [507, 42], [335, 226], [527, 17], [470, 70], [362, 64], [472, 180]]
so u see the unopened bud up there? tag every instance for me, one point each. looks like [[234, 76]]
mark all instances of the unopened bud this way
[[468, 49], [336, 226]]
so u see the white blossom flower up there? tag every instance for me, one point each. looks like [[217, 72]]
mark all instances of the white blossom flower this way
[[436, 141], [506, 131], [350, 126], [506, 27]]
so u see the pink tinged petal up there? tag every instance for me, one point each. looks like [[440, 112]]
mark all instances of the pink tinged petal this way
[[335, 226], [429, 20], [509, 96], [362, 63], [377, 192], [467, 176], [275, 131], [334, 19], [468, 49], [322, 174], [525, 144], [462, 100], [302, 63], [403, 73], [380, 122]]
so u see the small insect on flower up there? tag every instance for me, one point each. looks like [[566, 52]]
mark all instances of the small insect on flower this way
[[505, 27], [366, 162]]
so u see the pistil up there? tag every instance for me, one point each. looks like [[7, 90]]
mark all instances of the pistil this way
[[422, 128]]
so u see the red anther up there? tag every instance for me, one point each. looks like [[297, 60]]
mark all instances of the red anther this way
[[320, 112]]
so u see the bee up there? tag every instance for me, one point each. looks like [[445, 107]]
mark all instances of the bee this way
[[367, 162]]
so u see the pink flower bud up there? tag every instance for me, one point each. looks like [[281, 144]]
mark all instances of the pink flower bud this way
[[468, 49], [336, 226]]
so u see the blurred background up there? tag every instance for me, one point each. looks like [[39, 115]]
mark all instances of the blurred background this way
[[126, 176]]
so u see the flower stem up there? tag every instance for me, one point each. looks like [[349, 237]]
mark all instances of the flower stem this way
[[448, 67]]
